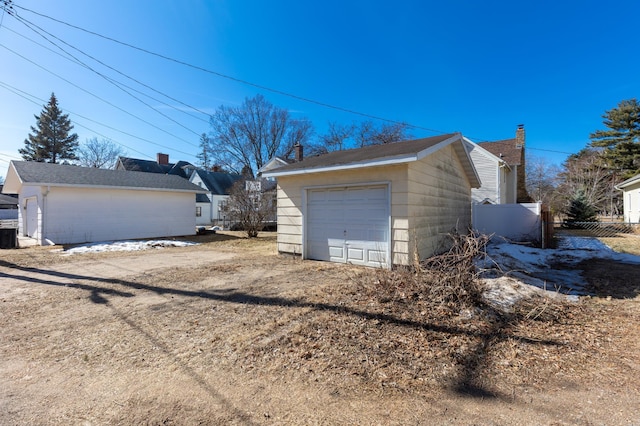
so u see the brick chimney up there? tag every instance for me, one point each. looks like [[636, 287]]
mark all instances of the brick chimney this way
[[162, 158], [298, 149], [520, 136], [522, 195]]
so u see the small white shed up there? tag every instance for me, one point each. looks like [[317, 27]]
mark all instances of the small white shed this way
[[63, 204]]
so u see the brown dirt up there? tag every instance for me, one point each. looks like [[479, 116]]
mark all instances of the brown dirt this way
[[230, 332]]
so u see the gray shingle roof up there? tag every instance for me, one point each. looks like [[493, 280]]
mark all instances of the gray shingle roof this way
[[31, 172], [149, 166], [368, 153], [218, 183]]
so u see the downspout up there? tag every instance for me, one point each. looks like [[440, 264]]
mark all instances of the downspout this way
[[43, 216]]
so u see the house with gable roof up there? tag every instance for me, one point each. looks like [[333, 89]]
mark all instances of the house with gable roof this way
[[501, 167], [210, 206], [64, 204]]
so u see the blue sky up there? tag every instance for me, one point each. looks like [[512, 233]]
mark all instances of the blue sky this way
[[480, 68]]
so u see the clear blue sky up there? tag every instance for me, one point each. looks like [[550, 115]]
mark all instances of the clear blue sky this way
[[480, 68]]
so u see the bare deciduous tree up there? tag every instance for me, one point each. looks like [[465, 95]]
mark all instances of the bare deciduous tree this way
[[587, 173], [541, 179], [250, 205], [253, 133], [101, 154]]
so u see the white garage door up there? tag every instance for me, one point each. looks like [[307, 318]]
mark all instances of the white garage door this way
[[349, 224]]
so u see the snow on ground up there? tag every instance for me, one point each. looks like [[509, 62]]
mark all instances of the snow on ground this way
[[513, 271], [127, 245]]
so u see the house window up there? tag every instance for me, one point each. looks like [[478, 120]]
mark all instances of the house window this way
[[198, 211]]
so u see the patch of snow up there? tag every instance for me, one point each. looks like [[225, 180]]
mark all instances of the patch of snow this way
[[125, 245], [508, 267]]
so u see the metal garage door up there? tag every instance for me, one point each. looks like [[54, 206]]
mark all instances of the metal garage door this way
[[349, 224]]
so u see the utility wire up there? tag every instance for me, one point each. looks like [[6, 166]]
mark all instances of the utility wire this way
[[94, 95], [237, 80], [108, 79], [26, 96], [248, 83], [120, 83]]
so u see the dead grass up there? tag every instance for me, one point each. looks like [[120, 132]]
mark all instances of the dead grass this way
[[268, 328], [624, 243]]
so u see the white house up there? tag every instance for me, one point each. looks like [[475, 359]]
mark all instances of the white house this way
[[501, 167], [378, 205], [210, 206], [631, 199], [62, 204]]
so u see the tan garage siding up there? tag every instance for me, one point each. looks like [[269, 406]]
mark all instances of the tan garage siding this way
[[439, 200], [290, 193], [430, 195]]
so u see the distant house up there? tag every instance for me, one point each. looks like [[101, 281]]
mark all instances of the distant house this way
[[501, 167], [210, 206], [378, 205], [160, 166], [8, 205], [631, 199], [61, 204]]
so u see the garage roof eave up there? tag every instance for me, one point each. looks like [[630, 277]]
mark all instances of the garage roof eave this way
[[129, 188], [337, 167]]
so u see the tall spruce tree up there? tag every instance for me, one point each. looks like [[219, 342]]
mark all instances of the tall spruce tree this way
[[50, 140], [621, 142]]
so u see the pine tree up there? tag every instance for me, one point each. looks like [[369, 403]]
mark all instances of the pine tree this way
[[206, 155], [50, 139], [580, 211], [621, 142]]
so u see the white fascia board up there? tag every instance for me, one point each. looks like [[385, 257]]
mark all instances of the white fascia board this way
[[362, 164], [489, 155], [13, 181], [426, 152], [130, 188], [627, 182]]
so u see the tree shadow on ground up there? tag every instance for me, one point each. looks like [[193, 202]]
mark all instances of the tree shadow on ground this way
[[608, 278], [468, 383]]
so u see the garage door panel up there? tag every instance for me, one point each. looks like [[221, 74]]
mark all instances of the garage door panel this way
[[348, 224]]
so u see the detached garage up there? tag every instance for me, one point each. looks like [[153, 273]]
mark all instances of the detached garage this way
[[378, 205], [62, 204]]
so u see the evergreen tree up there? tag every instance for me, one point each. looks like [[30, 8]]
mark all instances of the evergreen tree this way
[[580, 210], [50, 139], [621, 143], [206, 153]]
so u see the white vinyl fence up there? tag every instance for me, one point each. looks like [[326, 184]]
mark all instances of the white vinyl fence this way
[[516, 222]]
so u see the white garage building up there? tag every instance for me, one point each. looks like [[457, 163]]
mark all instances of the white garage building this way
[[63, 204]]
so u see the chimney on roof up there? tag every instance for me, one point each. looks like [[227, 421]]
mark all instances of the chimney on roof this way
[[520, 136], [298, 151], [215, 168], [162, 158]]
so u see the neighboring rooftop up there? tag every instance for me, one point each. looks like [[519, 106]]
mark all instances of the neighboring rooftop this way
[[160, 166], [219, 183], [35, 173], [505, 149]]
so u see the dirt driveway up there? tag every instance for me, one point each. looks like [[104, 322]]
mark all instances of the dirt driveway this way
[[205, 335]]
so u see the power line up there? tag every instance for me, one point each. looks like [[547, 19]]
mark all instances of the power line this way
[[95, 96], [26, 96], [120, 83], [237, 80], [108, 79]]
